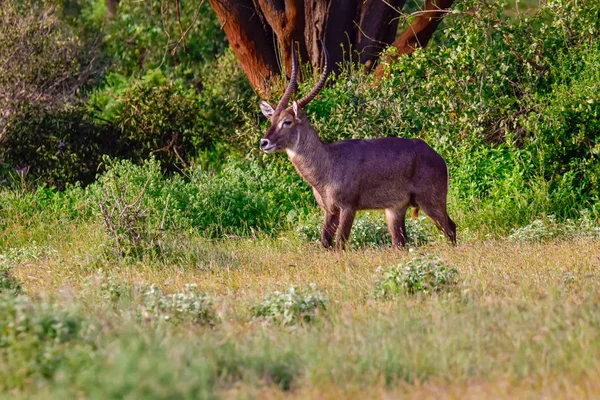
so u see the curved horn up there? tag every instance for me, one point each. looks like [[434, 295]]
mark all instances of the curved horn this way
[[291, 85], [319, 85]]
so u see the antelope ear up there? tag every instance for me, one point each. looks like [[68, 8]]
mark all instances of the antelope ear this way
[[298, 113], [266, 109]]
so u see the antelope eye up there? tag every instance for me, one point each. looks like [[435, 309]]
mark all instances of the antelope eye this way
[[287, 122]]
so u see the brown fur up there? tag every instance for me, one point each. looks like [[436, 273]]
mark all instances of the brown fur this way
[[387, 173]]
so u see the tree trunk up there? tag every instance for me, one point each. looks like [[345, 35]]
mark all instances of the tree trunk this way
[[251, 40], [286, 19], [353, 31], [378, 27]]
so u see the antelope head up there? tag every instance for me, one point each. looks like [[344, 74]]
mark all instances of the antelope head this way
[[285, 133]]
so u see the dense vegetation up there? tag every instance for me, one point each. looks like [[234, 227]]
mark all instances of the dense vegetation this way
[[517, 120], [129, 169]]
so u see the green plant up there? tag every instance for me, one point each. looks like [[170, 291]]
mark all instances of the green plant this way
[[56, 146], [125, 216], [550, 228], [293, 307], [189, 306], [8, 282], [44, 66], [36, 337], [43, 61], [369, 230], [161, 114], [426, 274], [156, 116], [146, 35]]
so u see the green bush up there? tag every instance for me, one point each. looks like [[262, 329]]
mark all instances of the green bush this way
[[43, 61], [293, 307], [44, 65], [426, 274], [368, 230], [162, 116], [160, 119], [189, 306], [549, 228], [8, 282], [239, 200], [142, 36], [510, 103], [54, 147], [34, 338]]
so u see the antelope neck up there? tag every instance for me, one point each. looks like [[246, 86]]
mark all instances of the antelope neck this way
[[310, 157]]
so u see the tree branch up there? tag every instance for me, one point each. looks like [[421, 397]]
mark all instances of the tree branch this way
[[420, 31]]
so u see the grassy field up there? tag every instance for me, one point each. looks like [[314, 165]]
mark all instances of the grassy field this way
[[522, 320], [147, 249]]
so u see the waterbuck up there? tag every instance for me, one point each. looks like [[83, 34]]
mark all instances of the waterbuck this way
[[350, 175]]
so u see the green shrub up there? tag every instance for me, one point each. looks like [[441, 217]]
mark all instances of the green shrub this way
[[189, 306], [44, 66], [292, 307], [35, 338], [8, 282], [168, 119], [426, 274], [57, 146], [368, 230], [239, 200], [516, 119], [550, 228], [142, 36], [43, 61]]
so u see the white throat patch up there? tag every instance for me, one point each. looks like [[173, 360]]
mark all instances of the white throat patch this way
[[292, 152]]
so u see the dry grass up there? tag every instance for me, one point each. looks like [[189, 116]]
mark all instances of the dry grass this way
[[523, 321]]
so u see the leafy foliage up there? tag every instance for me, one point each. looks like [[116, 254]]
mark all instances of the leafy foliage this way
[[426, 274], [368, 230], [43, 66], [189, 306], [549, 228], [146, 35], [8, 282], [234, 201], [292, 307], [166, 118], [57, 146], [43, 61]]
